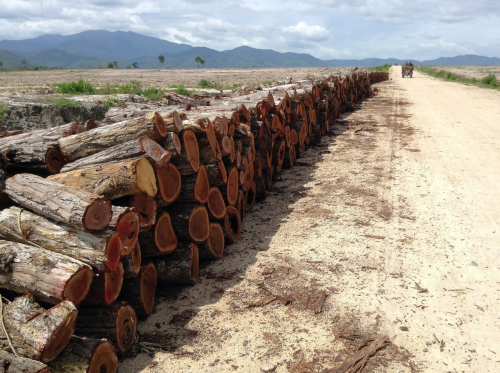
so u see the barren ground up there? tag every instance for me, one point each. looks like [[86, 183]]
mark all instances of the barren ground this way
[[397, 218], [472, 71]]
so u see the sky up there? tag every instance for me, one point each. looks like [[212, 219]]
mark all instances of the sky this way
[[326, 29]]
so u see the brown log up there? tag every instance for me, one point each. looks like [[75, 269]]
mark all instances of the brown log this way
[[216, 175], [93, 141], [250, 196], [145, 207], [159, 241], [125, 223], [116, 323], [140, 291], [59, 202], [226, 146], [133, 149], [105, 288], [188, 162], [289, 157], [195, 188], [240, 205], [113, 180], [216, 205], [207, 155], [172, 144], [173, 122], [87, 356], [47, 275], [132, 263], [99, 250], [169, 182], [230, 190], [249, 172], [267, 176], [190, 222], [279, 152], [36, 333], [179, 268], [232, 225], [11, 363], [214, 247], [261, 191]]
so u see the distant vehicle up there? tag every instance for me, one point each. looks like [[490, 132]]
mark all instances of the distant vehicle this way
[[407, 70]]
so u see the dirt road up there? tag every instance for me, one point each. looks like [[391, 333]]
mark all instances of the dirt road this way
[[397, 218]]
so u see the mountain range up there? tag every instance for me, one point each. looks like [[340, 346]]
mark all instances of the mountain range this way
[[98, 47]]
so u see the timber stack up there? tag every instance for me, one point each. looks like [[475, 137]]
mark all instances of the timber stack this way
[[93, 219]]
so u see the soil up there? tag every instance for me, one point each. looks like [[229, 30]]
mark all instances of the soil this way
[[396, 217], [477, 72]]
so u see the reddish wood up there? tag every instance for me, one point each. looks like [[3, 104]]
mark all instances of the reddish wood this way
[[145, 207], [132, 263], [169, 184], [105, 288], [190, 222], [161, 240], [214, 247], [125, 223], [216, 204], [140, 291], [232, 225], [179, 268], [250, 196], [195, 188]]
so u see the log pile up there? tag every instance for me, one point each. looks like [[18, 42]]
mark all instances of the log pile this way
[[98, 217]]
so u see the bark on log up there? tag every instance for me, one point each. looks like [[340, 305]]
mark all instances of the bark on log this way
[[59, 202], [105, 288], [140, 291], [215, 175], [172, 144], [47, 275], [216, 205], [99, 250], [10, 363], [116, 323], [188, 162], [261, 191], [230, 190], [133, 149], [93, 141], [250, 196], [161, 240], [240, 205], [113, 180], [36, 333], [190, 222], [125, 223], [195, 188], [87, 356], [145, 207], [179, 268], [232, 225], [214, 247], [207, 154], [132, 263], [169, 184]]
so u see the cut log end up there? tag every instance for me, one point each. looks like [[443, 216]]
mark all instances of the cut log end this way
[[145, 207], [103, 359], [165, 237], [195, 263], [128, 229], [146, 179], [54, 160], [202, 186], [148, 287], [232, 186], [78, 286], [216, 241], [232, 225], [159, 122], [177, 122], [97, 215], [216, 204], [191, 148], [114, 250], [61, 336], [135, 259], [199, 224], [126, 326], [169, 182], [250, 196], [113, 284]]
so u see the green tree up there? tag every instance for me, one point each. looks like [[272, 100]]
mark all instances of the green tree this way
[[23, 62], [199, 61], [1, 65], [135, 65], [161, 58], [115, 64], [111, 65]]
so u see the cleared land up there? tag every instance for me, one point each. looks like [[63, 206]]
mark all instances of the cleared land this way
[[477, 72]]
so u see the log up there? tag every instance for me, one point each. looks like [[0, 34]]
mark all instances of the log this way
[[173, 122], [105, 288], [179, 268], [145, 207], [250, 196], [140, 291], [260, 191], [232, 225], [195, 188], [87, 356], [59, 202], [133, 149], [113, 180], [125, 223], [226, 146], [47, 275], [230, 190], [169, 182], [36, 333], [161, 240], [172, 144], [10, 363], [214, 247], [216, 176], [207, 155], [279, 152], [87, 143], [132, 263], [116, 323], [190, 222], [188, 162], [100, 250], [240, 205], [216, 205]]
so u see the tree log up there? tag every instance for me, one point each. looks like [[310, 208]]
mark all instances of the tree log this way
[[36, 333], [169, 184], [84, 144], [172, 144], [145, 207], [240, 205], [116, 323], [250, 196], [87, 356], [214, 247], [216, 177], [207, 155], [230, 190], [190, 222], [132, 263], [10, 363], [113, 180], [47, 275], [60, 202], [125, 223], [179, 268], [195, 188], [188, 162], [105, 288], [140, 291], [216, 204], [159, 241], [261, 191], [99, 250], [232, 225]]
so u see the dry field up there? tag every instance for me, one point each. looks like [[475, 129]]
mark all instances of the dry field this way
[[477, 72]]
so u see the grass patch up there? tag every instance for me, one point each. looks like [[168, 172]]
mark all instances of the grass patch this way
[[112, 101], [267, 82], [181, 90], [78, 87], [64, 102], [3, 111], [203, 83], [380, 68], [489, 81]]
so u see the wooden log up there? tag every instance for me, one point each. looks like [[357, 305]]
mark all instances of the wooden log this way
[[84, 144], [47, 275], [261, 191], [145, 207], [11, 363], [216, 205], [60, 202], [195, 188], [250, 196], [232, 225], [207, 155], [125, 223], [226, 146], [132, 263], [249, 172], [279, 152], [140, 291], [36, 333], [190, 222], [100, 250], [116, 323], [289, 157], [113, 180], [169, 182], [105, 288], [179, 268], [267, 176], [240, 205], [161, 240], [230, 190], [172, 144], [188, 162], [214, 247], [216, 175], [133, 149], [87, 356]]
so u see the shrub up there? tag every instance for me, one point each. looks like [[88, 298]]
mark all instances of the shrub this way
[[491, 80], [3, 111], [112, 101], [154, 94], [81, 87], [203, 83], [182, 91], [64, 102]]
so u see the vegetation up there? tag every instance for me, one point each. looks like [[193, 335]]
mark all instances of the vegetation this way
[[161, 57], [203, 83], [1, 65], [267, 82], [3, 111], [78, 87], [489, 81], [199, 61], [112, 101], [380, 68], [135, 65], [64, 102], [181, 90]]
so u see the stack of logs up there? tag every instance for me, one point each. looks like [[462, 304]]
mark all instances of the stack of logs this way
[[94, 218]]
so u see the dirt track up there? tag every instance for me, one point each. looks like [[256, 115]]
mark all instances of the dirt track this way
[[397, 217]]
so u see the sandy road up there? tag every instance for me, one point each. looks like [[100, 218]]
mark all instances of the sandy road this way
[[397, 218]]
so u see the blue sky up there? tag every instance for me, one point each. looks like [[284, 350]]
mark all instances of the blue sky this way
[[327, 29]]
